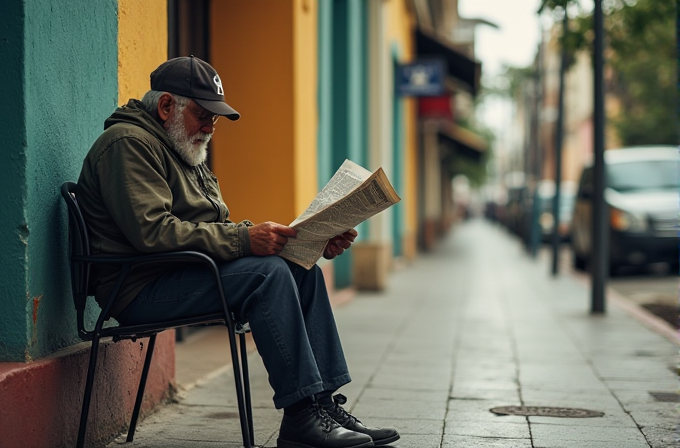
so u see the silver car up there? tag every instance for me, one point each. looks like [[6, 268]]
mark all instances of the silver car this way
[[642, 197]]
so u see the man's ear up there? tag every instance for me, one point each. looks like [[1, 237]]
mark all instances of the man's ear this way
[[165, 103]]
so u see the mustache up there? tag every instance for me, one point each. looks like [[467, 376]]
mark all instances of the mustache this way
[[203, 136]]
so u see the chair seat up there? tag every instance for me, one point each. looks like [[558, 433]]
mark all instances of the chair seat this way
[[145, 330], [81, 261]]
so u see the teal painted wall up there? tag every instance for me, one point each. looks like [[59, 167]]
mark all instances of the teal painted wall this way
[[344, 81], [398, 159], [325, 92], [62, 82], [13, 324]]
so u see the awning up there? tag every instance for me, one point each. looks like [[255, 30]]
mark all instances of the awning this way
[[459, 66], [464, 142]]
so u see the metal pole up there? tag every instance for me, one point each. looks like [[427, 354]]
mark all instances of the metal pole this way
[[600, 246], [535, 136], [559, 138]]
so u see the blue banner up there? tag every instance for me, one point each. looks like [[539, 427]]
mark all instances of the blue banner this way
[[421, 78]]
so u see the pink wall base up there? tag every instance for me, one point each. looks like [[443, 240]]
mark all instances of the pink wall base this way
[[40, 401]]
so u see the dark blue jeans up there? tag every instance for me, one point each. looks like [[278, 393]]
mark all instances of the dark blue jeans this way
[[286, 305]]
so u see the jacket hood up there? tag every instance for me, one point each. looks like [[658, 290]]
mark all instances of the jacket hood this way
[[134, 113]]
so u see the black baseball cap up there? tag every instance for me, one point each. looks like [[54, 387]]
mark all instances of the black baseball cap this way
[[193, 78]]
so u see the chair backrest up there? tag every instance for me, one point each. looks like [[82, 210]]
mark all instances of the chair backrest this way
[[78, 247]]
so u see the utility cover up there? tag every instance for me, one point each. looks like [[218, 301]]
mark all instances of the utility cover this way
[[546, 411]]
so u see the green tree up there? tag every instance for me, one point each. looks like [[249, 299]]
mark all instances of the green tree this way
[[640, 40], [474, 170], [641, 37]]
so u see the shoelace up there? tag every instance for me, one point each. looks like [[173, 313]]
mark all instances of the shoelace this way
[[327, 422], [343, 417]]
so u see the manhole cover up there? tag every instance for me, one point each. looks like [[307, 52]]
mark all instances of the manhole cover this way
[[666, 397], [546, 411]]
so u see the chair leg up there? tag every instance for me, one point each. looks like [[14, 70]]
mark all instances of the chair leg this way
[[140, 390], [246, 386], [89, 383], [238, 379]]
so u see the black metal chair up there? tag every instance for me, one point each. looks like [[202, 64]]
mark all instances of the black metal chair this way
[[80, 263]]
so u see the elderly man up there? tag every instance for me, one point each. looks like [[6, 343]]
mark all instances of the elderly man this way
[[144, 187]]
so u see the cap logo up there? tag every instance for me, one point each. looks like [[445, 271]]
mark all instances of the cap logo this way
[[218, 83]]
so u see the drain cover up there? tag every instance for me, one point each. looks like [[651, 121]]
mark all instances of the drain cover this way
[[546, 411], [666, 397]]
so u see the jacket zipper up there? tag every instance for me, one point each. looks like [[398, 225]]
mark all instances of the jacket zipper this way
[[201, 181]]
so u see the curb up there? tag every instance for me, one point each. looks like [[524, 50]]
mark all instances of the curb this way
[[643, 316]]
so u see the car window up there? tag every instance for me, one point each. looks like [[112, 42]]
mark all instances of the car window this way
[[643, 175]]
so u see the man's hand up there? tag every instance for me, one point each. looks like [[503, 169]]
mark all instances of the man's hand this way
[[268, 238], [338, 244]]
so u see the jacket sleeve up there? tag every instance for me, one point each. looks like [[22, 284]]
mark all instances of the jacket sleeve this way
[[133, 178]]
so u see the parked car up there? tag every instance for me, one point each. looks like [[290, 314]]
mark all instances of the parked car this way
[[642, 197]]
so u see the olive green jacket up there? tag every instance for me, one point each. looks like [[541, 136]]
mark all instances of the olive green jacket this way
[[138, 196]]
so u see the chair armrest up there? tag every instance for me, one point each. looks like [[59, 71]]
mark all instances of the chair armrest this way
[[186, 256], [130, 263]]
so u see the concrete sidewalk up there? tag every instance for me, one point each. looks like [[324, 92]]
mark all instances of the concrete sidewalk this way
[[475, 325]]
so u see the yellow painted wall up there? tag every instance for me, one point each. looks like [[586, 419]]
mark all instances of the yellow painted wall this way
[[306, 102], [265, 53], [142, 44], [400, 29]]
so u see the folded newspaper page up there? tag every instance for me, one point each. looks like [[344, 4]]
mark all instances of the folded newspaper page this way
[[353, 195]]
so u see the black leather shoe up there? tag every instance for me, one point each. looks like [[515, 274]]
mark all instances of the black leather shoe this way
[[380, 436], [314, 428]]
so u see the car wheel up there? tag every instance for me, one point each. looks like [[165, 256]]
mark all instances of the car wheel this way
[[579, 262]]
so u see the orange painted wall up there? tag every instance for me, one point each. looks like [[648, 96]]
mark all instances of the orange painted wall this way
[[266, 161]]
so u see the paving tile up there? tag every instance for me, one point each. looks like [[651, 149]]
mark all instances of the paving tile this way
[[458, 441], [664, 415], [376, 392], [556, 443], [663, 437], [618, 420], [498, 395], [496, 429], [460, 331], [398, 409], [480, 384], [412, 426], [417, 441], [478, 410], [586, 433]]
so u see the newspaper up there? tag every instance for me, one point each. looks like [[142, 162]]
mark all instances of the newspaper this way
[[353, 195]]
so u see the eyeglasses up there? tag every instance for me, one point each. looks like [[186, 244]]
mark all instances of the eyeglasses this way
[[203, 116]]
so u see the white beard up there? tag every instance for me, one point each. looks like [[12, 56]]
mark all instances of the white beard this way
[[192, 152]]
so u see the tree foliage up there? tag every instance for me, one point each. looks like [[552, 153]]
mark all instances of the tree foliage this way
[[643, 55], [474, 170], [640, 40]]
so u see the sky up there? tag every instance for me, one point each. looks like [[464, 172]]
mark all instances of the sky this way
[[514, 42]]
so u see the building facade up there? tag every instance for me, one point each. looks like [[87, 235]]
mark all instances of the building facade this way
[[315, 84]]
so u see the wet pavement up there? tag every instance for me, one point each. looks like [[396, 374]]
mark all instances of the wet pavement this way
[[474, 325]]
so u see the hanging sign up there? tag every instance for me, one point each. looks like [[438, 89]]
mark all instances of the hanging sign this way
[[421, 78]]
